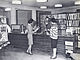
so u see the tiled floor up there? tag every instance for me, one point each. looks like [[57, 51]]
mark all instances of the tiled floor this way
[[19, 54], [76, 56]]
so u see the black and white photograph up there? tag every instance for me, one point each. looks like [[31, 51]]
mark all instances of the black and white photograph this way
[[39, 29]]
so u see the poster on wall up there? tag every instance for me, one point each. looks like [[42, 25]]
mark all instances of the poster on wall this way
[[69, 31]]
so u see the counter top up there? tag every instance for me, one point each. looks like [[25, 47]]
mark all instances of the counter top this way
[[37, 34]]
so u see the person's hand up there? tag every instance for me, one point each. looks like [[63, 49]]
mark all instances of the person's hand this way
[[9, 32], [38, 27], [47, 33], [26, 31], [35, 33]]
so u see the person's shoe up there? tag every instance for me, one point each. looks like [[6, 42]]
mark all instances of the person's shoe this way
[[53, 57], [30, 53], [27, 52]]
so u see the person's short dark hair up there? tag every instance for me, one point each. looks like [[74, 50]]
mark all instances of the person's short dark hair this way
[[31, 20], [53, 20], [47, 17]]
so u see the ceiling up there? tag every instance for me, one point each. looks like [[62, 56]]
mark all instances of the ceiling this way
[[50, 3]]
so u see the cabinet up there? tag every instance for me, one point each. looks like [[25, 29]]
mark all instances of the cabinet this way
[[42, 43], [18, 40]]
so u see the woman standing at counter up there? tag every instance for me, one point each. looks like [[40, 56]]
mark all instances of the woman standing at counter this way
[[54, 37], [30, 35]]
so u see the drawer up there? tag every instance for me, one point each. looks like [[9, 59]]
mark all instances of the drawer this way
[[69, 43], [69, 47], [69, 51]]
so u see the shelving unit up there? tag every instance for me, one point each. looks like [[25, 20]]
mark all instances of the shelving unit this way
[[69, 23], [79, 37]]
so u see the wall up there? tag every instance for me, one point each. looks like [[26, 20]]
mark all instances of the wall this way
[[23, 16], [16, 7], [66, 9], [1, 12], [8, 15], [5, 13]]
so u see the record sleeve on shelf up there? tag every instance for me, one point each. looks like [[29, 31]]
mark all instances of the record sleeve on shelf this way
[[69, 31], [78, 44], [78, 30], [69, 47], [75, 23], [61, 32], [79, 37], [61, 21], [78, 15], [63, 26], [55, 16], [67, 23], [70, 23], [69, 43], [72, 16]]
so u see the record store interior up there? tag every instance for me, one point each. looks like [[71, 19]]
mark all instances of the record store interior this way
[[14, 22]]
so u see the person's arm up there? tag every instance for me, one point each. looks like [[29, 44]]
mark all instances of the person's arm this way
[[36, 29], [48, 32], [26, 31], [9, 29]]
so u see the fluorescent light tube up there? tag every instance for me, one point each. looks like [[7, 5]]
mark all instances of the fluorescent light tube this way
[[43, 7], [58, 5], [41, 0], [7, 9], [77, 2], [16, 2]]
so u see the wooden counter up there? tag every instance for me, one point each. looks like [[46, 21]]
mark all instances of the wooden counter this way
[[18, 40], [41, 42]]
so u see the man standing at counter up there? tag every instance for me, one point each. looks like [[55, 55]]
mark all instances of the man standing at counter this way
[[53, 29]]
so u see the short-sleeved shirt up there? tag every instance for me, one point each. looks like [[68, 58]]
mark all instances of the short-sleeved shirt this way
[[54, 31]]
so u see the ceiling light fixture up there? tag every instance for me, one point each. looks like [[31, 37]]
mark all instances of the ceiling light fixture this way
[[16, 2], [43, 7], [77, 2], [7, 9], [41, 0], [58, 5]]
